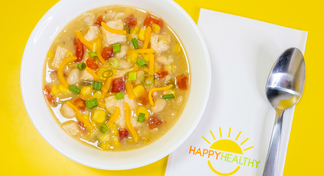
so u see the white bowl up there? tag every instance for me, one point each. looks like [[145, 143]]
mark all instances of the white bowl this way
[[32, 73]]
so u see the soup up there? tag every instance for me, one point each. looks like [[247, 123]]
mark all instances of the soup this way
[[116, 78]]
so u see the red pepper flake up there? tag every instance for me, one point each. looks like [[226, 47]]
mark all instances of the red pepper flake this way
[[79, 49], [131, 20], [123, 133], [161, 73], [154, 122], [150, 19]]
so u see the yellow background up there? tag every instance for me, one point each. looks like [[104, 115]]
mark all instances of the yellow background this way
[[24, 152]]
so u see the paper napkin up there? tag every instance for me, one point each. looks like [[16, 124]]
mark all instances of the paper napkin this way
[[233, 135]]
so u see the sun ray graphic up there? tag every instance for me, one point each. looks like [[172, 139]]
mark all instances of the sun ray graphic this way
[[238, 135], [229, 133], [212, 134]]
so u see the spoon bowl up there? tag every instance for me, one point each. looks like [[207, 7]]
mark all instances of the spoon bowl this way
[[284, 88]]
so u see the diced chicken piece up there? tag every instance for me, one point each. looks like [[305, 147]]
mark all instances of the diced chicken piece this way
[[115, 16], [160, 43], [120, 16], [89, 18], [71, 128], [139, 78], [92, 33], [111, 38], [164, 60], [110, 15], [159, 105], [73, 77], [124, 64], [85, 56], [86, 76], [67, 112], [121, 73], [112, 103], [60, 54], [122, 53]]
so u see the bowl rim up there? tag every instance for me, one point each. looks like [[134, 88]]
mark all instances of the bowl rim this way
[[153, 159]]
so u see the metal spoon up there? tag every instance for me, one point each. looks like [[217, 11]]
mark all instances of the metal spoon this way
[[284, 88]]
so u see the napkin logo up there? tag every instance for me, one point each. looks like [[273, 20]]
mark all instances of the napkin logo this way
[[221, 150]]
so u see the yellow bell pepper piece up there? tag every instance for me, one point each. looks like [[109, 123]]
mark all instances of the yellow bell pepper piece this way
[[156, 28], [129, 124], [141, 35], [151, 67], [115, 31], [129, 90], [99, 116], [139, 90], [94, 75], [83, 40], [114, 117], [158, 89], [142, 109], [60, 70], [107, 85]]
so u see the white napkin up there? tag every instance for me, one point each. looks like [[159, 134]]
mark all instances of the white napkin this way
[[242, 52]]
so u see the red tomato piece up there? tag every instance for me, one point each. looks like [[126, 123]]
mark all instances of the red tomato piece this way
[[92, 63], [150, 19], [162, 73], [182, 82], [123, 133], [118, 85], [99, 20], [131, 20], [48, 95], [79, 49], [80, 103], [154, 122], [107, 52], [82, 127]]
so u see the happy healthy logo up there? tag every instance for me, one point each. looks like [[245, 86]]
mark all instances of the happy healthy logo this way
[[222, 149]]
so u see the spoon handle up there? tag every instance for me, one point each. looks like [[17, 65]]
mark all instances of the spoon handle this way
[[273, 153]]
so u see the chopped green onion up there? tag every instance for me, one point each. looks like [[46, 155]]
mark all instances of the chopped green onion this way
[[103, 128], [93, 55], [143, 79], [114, 63], [97, 85], [126, 28], [132, 76], [141, 117], [135, 44], [81, 66], [116, 47], [74, 89], [119, 95], [169, 96], [141, 63], [91, 103], [107, 74]]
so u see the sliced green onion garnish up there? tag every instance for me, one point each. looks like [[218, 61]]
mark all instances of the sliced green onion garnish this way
[[81, 66], [126, 28], [143, 79], [116, 47], [107, 74], [168, 96], [132, 76], [119, 95], [114, 63], [141, 117], [135, 44], [97, 85], [74, 89], [93, 55], [91, 103], [141, 63], [103, 128]]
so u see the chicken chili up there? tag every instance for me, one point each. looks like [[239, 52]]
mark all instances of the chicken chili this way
[[116, 78]]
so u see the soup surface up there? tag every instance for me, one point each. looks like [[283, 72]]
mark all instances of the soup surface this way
[[116, 78]]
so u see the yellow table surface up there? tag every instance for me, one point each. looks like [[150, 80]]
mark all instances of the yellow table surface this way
[[24, 152]]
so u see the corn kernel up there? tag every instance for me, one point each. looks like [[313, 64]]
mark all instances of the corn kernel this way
[[156, 68], [54, 90], [97, 95], [141, 35], [69, 54], [177, 48], [104, 137], [50, 54], [104, 145], [85, 90], [133, 33], [156, 28], [142, 109], [146, 57], [170, 68], [146, 69], [99, 116], [132, 58], [62, 89], [114, 129], [170, 91], [116, 142], [139, 90]]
